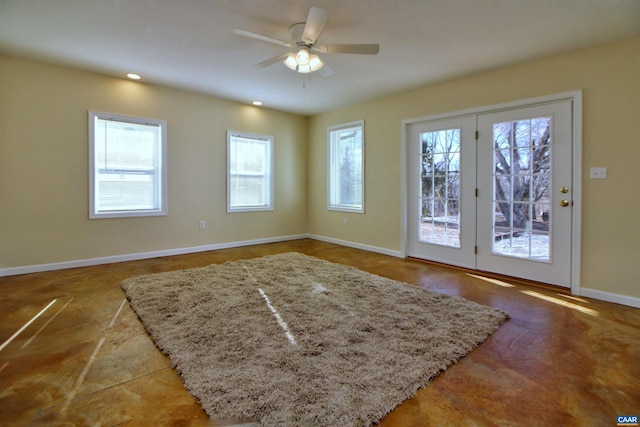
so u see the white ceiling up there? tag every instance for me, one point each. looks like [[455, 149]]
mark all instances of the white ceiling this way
[[189, 43]]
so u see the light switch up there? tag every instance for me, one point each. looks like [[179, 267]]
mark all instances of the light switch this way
[[599, 173]]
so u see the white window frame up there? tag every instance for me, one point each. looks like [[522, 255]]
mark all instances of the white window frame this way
[[333, 170], [268, 175], [159, 172]]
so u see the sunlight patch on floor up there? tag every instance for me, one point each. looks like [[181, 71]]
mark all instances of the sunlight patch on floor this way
[[281, 322], [493, 281], [45, 325], [26, 325], [72, 395], [318, 288], [558, 301], [582, 300]]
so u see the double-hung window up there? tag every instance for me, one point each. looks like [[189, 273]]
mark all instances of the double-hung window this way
[[249, 172], [346, 167], [127, 166]]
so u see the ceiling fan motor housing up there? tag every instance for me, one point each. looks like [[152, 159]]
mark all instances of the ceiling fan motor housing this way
[[296, 31]]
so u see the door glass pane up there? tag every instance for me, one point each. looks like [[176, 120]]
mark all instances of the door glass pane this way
[[521, 181], [440, 188]]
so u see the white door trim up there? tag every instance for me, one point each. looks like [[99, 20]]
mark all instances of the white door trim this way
[[576, 98]]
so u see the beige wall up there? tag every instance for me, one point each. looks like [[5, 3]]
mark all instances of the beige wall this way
[[609, 77], [44, 177], [43, 161]]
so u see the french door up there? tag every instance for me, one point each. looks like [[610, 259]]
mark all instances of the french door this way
[[492, 191], [441, 188]]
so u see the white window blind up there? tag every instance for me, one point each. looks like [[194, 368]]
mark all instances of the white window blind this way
[[249, 172], [127, 166]]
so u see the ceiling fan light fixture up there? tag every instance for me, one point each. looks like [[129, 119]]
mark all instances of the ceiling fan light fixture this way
[[302, 57], [291, 62], [303, 62], [315, 63], [304, 69]]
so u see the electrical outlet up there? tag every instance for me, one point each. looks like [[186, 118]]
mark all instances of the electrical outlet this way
[[345, 221], [598, 173], [202, 224]]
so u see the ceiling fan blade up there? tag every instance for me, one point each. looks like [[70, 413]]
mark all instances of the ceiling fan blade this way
[[326, 71], [267, 39], [272, 61], [316, 21], [362, 49]]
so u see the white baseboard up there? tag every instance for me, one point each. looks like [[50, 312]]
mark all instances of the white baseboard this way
[[13, 271], [369, 248], [142, 255], [610, 297]]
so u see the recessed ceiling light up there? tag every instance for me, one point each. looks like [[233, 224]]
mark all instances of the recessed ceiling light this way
[[134, 76], [257, 102]]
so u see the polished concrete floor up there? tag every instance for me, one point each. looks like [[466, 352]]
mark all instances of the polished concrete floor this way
[[86, 360]]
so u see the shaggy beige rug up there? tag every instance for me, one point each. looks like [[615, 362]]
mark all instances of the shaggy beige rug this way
[[292, 340]]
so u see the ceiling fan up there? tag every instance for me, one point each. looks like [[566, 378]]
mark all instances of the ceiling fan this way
[[304, 36]]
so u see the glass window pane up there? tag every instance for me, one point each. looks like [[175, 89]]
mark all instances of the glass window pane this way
[[427, 208], [427, 165], [453, 211], [427, 186], [502, 188], [425, 231], [346, 167], [453, 186], [542, 214], [127, 166], [249, 172], [541, 246], [521, 187]]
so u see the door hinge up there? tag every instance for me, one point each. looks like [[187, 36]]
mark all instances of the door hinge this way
[[476, 192], [476, 135], [475, 250]]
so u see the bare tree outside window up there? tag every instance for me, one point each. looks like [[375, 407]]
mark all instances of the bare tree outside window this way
[[440, 187], [522, 161]]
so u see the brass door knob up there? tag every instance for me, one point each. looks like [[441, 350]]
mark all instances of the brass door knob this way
[[564, 203], [564, 190]]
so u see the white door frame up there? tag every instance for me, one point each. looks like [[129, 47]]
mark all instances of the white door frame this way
[[576, 215]]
